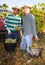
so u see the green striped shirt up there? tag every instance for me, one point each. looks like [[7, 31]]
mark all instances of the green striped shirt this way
[[12, 21]]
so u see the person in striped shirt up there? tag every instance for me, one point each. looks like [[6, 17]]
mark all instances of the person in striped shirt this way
[[11, 22]]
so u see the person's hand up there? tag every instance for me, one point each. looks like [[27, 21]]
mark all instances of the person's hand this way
[[9, 32], [21, 33], [36, 38]]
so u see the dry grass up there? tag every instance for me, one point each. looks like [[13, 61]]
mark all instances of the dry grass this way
[[23, 61]]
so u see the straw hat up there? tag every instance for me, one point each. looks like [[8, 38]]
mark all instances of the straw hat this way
[[26, 6], [15, 8]]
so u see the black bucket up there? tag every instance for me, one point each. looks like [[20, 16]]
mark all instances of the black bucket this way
[[10, 47]]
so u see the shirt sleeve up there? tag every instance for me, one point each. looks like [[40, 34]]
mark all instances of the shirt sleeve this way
[[34, 26], [6, 24]]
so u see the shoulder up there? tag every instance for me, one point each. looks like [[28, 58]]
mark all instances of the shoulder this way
[[33, 16], [9, 15], [18, 17], [23, 17]]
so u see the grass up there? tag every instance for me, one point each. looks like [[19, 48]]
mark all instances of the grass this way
[[23, 61]]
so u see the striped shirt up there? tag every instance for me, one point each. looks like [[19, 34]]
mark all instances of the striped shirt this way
[[12, 21]]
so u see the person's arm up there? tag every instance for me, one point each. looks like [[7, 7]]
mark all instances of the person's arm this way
[[21, 27], [21, 33], [34, 28], [6, 25]]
